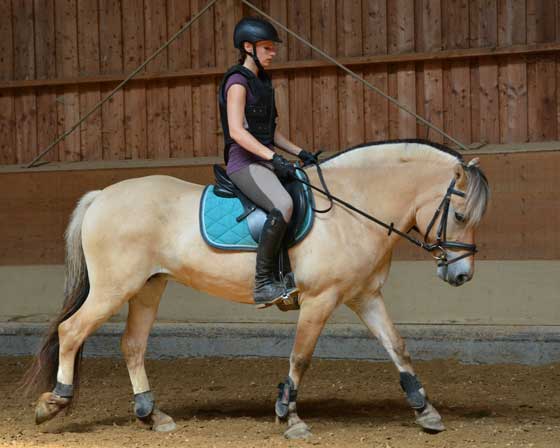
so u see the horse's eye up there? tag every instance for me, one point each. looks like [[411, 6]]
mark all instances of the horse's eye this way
[[459, 217]]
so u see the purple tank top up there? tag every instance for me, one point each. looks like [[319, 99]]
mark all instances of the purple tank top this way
[[239, 157]]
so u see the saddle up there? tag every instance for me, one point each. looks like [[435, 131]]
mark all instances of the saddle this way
[[229, 220]]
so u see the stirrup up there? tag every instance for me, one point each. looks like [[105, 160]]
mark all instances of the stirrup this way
[[292, 302], [288, 298]]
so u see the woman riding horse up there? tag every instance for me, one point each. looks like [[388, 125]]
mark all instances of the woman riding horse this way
[[248, 115]]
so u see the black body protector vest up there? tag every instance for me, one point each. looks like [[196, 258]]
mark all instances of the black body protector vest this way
[[261, 116]]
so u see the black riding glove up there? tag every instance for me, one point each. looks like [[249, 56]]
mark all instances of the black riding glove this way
[[283, 168], [307, 158]]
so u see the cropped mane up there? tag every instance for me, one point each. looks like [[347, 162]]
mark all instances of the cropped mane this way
[[418, 141], [478, 191]]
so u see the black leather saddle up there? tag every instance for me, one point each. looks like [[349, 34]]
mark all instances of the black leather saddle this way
[[301, 196]]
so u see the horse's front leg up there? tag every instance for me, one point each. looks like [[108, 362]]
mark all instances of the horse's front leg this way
[[314, 313], [373, 313]]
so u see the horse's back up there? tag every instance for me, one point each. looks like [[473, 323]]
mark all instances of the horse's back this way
[[145, 207], [157, 184]]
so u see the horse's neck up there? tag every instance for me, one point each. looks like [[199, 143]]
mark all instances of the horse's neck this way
[[386, 184]]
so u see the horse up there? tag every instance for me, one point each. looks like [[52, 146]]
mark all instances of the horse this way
[[125, 242]]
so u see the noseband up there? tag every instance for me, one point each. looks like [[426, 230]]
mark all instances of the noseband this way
[[441, 235], [441, 243]]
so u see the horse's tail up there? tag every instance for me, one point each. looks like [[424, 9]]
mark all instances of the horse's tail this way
[[41, 375]]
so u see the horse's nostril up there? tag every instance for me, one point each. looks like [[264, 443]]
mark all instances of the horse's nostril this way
[[462, 278]]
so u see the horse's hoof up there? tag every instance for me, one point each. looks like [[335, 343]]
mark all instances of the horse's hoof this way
[[161, 422], [297, 432], [430, 420], [48, 406]]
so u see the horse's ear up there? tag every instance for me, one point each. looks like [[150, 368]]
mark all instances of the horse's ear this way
[[460, 176], [474, 162]]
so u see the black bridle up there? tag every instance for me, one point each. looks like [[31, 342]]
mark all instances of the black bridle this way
[[441, 234], [441, 243]]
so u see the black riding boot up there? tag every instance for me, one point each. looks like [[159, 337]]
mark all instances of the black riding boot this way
[[267, 289]]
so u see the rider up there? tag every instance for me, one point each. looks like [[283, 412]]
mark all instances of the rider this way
[[248, 115]]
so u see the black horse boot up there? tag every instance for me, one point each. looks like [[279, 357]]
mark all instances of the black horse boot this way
[[267, 289]]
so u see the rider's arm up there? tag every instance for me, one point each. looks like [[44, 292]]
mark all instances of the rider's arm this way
[[283, 143], [236, 97]]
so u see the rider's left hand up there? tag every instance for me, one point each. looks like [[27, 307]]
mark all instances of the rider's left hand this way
[[307, 158]]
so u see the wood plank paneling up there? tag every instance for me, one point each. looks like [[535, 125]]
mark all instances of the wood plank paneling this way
[[6, 41], [180, 91], [483, 23], [301, 83], [541, 114], [541, 21], [68, 100], [157, 93], [376, 108], [110, 48], [512, 73], [433, 101], [351, 92], [428, 37], [203, 54], [88, 52], [45, 68], [489, 99], [24, 68], [227, 15], [484, 73], [401, 40], [8, 149], [457, 116], [24, 42], [44, 32], [489, 127], [279, 10], [513, 100], [541, 74], [26, 125], [135, 114], [512, 22], [47, 121], [392, 83], [325, 81]]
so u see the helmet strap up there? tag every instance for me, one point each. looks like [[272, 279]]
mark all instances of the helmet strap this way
[[253, 55], [255, 58]]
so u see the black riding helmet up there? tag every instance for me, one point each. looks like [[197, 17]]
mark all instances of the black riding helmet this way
[[253, 30]]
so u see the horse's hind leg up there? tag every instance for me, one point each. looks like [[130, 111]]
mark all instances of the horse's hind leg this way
[[315, 311], [100, 304], [373, 313], [142, 311]]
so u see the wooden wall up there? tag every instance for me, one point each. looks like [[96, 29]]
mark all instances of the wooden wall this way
[[484, 70], [522, 222]]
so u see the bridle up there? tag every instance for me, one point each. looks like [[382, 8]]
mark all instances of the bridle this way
[[441, 234], [441, 243]]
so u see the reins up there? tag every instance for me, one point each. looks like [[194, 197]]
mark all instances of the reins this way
[[441, 244]]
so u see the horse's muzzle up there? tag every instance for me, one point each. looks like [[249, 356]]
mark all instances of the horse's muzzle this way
[[456, 274]]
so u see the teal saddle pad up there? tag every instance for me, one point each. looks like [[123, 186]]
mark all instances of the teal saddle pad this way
[[220, 228]]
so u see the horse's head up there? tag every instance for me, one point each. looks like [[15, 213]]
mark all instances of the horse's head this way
[[448, 215]]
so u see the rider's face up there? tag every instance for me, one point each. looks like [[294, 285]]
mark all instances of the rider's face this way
[[266, 50]]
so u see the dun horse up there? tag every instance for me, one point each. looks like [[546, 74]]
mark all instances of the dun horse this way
[[125, 242]]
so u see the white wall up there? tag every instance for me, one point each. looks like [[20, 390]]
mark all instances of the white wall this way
[[501, 293]]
